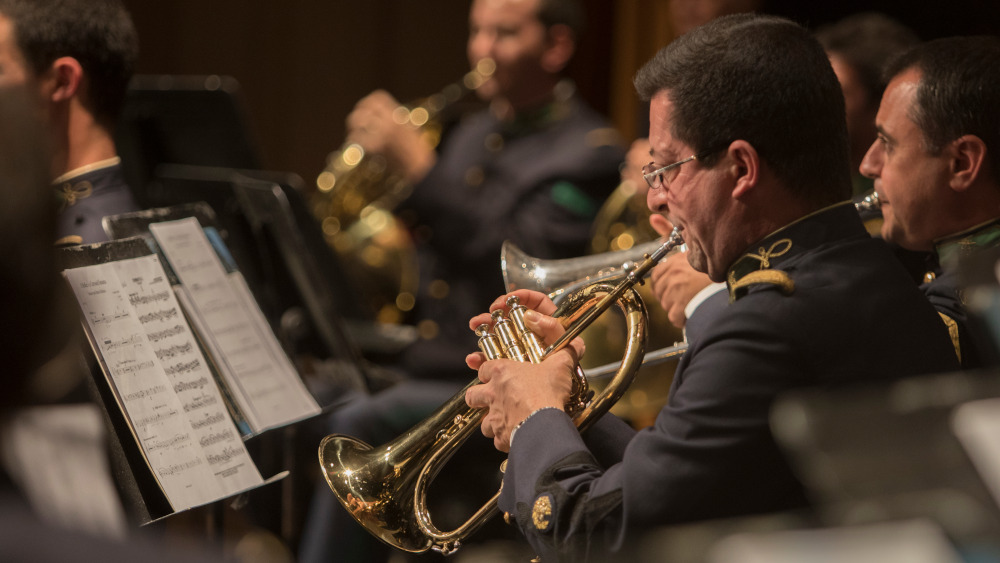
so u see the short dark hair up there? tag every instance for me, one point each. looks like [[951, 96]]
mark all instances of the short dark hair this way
[[867, 42], [562, 12], [97, 33], [766, 80], [959, 90]]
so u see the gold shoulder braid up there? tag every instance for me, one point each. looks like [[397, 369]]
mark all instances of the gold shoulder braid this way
[[738, 286], [953, 333], [774, 277]]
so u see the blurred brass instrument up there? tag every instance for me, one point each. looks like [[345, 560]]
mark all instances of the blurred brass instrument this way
[[620, 233], [385, 488], [356, 194], [622, 221]]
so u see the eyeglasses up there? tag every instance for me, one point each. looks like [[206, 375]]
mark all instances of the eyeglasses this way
[[663, 176]]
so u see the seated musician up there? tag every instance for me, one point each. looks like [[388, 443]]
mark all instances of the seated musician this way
[[749, 148], [937, 181], [77, 58]]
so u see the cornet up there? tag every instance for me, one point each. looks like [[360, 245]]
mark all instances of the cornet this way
[[385, 488]]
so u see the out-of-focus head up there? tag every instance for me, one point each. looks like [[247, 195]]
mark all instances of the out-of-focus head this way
[[860, 47], [98, 34], [28, 277], [689, 14], [530, 41], [940, 110]]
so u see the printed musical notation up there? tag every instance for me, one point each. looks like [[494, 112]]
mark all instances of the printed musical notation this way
[[138, 299], [143, 393], [163, 381], [200, 402], [183, 367], [159, 335], [124, 342], [263, 380], [172, 442], [208, 421], [162, 315], [175, 350]]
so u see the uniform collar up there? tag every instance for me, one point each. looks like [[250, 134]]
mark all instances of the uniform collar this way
[[77, 172], [951, 249], [79, 184], [555, 110], [784, 244]]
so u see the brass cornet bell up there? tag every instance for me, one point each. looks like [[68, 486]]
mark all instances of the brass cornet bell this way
[[385, 488]]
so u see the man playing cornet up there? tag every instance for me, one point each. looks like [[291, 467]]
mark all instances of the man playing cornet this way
[[749, 157]]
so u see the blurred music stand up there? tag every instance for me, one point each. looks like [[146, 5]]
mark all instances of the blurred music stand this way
[[889, 453], [197, 120]]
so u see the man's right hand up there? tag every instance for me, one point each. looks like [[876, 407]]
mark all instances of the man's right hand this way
[[373, 126]]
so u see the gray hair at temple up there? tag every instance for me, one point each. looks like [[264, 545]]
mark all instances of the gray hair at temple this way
[[959, 90], [765, 80]]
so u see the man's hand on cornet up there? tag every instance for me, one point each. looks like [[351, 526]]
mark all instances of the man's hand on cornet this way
[[512, 390]]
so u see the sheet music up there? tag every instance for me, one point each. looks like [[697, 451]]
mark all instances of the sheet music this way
[[57, 455], [162, 381], [976, 424], [267, 385]]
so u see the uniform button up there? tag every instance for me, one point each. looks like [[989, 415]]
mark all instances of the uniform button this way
[[541, 513]]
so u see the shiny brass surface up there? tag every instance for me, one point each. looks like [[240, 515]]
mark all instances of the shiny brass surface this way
[[622, 222], [356, 194], [385, 488]]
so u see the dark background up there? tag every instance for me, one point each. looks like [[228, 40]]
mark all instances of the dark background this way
[[302, 64]]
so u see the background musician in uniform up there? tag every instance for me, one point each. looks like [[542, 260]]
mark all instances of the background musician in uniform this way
[[934, 170], [750, 155], [77, 56], [533, 167]]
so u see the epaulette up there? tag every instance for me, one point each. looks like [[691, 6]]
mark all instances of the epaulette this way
[[953, 333], [753, 269], [739, 288]]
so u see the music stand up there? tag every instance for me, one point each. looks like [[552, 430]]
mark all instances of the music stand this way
[[889, 452], [197, 120]]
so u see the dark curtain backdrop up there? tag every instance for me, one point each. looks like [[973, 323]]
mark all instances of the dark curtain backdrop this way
[[303, 64]]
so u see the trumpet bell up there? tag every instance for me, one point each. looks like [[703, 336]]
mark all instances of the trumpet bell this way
[[366, 491], [562, 277]]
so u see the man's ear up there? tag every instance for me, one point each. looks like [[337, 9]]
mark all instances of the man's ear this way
[[967, 155], [559, 48], [744, 165], [63, 80]]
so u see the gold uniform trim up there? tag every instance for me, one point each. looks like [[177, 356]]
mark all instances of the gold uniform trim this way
[[541, 513], [774, 277], [953, 333]]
